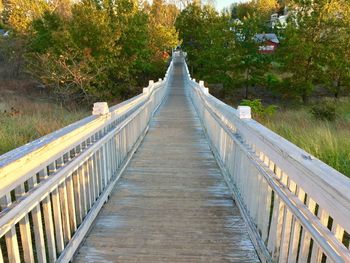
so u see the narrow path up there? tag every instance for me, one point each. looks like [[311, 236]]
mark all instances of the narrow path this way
[[171, 204]]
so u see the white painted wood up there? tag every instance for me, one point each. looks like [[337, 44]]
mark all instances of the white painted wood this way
[[38, 227], [75, 166], [71, 203], [100, 108], [97, 146], [320, 183], [1, 256], [49, 225], [10, 236], [244, 112], [26, 238]]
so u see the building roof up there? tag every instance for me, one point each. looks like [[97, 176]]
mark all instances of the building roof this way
[[267, 37]]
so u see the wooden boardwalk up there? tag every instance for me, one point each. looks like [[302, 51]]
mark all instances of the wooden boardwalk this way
[[171, 204]]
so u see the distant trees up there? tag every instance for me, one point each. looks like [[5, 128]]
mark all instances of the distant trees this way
[[314, 49], [207, 37], [315, 46], [92, 49]]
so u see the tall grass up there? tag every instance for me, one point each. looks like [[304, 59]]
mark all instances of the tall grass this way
[[23, 120], [327, 140]]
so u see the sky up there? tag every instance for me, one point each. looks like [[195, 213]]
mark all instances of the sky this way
[[220, 4]]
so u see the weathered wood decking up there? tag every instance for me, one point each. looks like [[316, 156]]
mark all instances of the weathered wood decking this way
[[171, 204]]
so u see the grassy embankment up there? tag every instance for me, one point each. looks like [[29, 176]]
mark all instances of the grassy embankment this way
[[327, 140], [26, 114]]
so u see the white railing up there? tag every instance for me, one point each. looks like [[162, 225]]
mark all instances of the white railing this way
[[297, 208], [52, 189]]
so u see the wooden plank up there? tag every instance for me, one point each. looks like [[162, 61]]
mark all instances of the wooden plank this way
[[56, 205], [48, 219], [1, 256], [62, 191], [38, 227], [295, 235], [71, 203], [77, 198], [11, 236], [24, 226], [305, 236], [316, 253]]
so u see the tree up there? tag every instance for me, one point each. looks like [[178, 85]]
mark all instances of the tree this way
[[249, 63], [261, 9], [207, 38], [101, 50], [19, 14], [308, 43], [335, 54], [162, 32]]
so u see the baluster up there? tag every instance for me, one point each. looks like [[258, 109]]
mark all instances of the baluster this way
[[92, 179], [86, 176], [305, 236], [1, 256], [11, 236], [254, 188], [316, 253], [48, 219], [287, 226], [24, 228], [38, 226], [295, 235], [91, 175], [97, 174], [338, 230], [62, 190], [77, 197], [70, 194], [58, 220], [83, 190], [266, 202], [275, 235], [100, 170]]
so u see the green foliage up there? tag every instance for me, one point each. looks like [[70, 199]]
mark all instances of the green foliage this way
[[89, 50], [324, 111], [207, 38], [315, 49], [258, 109]]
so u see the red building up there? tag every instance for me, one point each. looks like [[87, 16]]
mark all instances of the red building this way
[[269, 43]]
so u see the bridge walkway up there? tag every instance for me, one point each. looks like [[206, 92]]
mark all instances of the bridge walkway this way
[[171, 204]]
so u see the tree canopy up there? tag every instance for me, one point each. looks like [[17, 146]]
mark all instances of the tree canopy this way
[[312, 50], [92, 49]]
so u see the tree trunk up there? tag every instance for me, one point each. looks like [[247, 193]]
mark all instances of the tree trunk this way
[[337, 89], [246, 84], [305, 96]]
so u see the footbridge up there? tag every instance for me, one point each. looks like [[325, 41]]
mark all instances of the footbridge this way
[[171, 175]]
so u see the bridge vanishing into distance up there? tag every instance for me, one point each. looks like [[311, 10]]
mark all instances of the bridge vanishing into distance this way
[[171, 175]]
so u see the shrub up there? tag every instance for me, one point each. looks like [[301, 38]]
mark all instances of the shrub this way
[[325, 111], [258, 109]]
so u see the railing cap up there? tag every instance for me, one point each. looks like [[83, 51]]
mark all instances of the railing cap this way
[[244, 112], [100, 108]]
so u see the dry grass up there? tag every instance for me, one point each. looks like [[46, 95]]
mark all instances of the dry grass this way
[[328, 141], [26, 114]]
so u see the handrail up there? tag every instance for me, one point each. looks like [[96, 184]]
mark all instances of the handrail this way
[[52, 188], [297, 207]]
